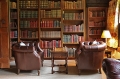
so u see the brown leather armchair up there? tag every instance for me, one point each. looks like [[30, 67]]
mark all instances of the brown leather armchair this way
[[89, 55], [111, 68], [26, 57]]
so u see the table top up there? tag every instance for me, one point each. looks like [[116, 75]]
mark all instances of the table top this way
[[59, 51]]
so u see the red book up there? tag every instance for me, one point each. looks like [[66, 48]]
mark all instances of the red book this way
[[41, 24], [48, 24], [51, 23], [45, 24]]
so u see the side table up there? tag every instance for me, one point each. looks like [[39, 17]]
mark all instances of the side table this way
[[59, 55], [108, 53]]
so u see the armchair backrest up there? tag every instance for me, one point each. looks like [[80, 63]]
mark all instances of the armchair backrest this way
[[26, 58], [91, 55], [89, 46]]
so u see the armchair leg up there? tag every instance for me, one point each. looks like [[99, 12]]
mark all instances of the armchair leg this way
[[18, 71], [38, 72], [99, 70], [79, 71], [42, 63]]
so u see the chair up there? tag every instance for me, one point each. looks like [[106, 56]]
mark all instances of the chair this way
[[89, 55], [26, 57], [39, 51], [111, 68]]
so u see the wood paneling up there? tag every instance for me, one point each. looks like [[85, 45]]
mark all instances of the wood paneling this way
[[4, 35]]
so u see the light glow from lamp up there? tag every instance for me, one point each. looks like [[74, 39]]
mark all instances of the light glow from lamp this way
[[106, 34]]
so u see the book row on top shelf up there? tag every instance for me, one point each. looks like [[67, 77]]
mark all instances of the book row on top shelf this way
[[78, 4]]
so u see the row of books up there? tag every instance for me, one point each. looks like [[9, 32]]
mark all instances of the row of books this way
[[28, 24], [73, 16], [28, 34], [47, 53], [71, 52], [74, 28], [97, 13], [50, 13], [13, 5], [73, 4], [50, 44], [73, 38], [13, 34], [13, 24], [13, 15], [50, 23], [95, 38], [50, 34], [28, 3], [28, 14], [95, 31], [50, 4], [99, 23]]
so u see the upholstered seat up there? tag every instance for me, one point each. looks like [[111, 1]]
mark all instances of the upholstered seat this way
[[26, 57], [89, 55]]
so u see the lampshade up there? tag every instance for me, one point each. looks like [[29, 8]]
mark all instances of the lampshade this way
[[118, 49], [106, 34]]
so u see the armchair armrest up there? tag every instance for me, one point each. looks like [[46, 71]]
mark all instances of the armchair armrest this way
[[111, 67]]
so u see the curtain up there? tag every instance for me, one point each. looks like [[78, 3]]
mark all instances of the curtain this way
[[112, 22]]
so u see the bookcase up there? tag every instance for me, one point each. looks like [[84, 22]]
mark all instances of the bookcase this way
[[13, 22], [73, 24], [55, 23], [28, 20], [97, 20]]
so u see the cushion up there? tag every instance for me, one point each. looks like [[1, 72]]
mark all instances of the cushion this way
[[95, 42], [22, 44]]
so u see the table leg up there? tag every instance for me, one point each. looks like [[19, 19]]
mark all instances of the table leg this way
[[52, 64], [66, 66]]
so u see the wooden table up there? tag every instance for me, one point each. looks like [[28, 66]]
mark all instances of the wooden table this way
[[59, 55]]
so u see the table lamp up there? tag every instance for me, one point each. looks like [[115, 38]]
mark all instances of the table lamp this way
[[106, 34]]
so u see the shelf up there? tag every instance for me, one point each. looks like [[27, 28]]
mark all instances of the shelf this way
[[13, 38], [70, 43], [97, 27], [13, 8], [51, 18], [72, 9], [72, 32], [28, 8], [97, 17], [27, 38], [51, 38], [71, 20], [50, 8], [94, 34], [51, 28]]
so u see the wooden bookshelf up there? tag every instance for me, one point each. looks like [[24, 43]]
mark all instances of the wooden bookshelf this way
[[13, 23], [97, 22], [55, 23]]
